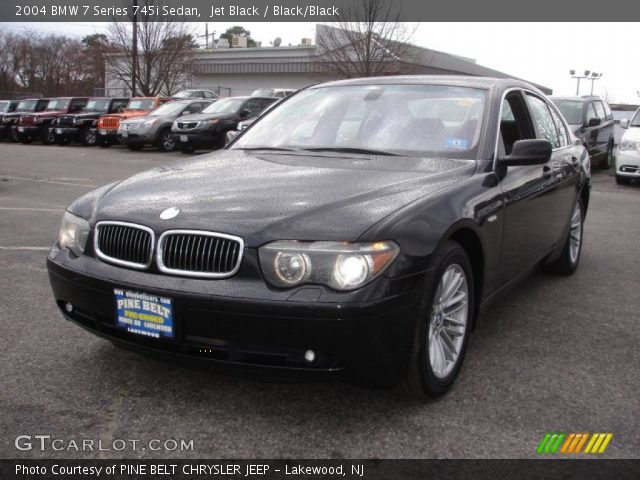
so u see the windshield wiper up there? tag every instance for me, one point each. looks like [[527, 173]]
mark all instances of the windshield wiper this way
[[365, 151], [276, 149]]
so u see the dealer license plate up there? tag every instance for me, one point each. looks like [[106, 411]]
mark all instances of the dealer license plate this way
[[124, 133], [144, 314], [184, 138], [21, 129], [103, 132], [58, 130]]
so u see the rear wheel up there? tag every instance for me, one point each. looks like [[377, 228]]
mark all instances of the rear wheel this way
[[567, 262], [444, 325], [620, 180], [88, 137], [166, 141], [605, 164]]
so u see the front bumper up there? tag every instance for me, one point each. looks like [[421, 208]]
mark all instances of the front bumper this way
[[135, 137], [242, 325], [66, 133], [27, 131], [199, 139], [628, 163], [107, 135]]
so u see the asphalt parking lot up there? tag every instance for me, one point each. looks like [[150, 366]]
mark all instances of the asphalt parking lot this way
[[557, 354]]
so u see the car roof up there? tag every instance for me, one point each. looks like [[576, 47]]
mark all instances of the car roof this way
[[452, 80]]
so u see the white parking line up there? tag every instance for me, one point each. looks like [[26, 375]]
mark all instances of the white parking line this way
[[29, 209], [29, 249], [49, 181]]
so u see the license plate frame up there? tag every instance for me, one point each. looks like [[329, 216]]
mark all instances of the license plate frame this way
[[184, 138]]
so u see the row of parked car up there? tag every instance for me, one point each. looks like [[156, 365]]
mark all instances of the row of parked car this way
[[190, 120]]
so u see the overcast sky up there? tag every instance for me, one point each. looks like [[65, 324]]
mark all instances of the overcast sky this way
[[540, 52]]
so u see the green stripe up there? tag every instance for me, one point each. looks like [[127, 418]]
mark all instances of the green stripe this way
[[550, 443], [555, 448], [543, 442]]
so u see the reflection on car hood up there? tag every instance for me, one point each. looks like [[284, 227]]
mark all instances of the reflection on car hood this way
[[263, 197], [196, 117], [632, 133]]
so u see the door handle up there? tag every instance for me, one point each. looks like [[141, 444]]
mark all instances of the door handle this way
[[546, 171]]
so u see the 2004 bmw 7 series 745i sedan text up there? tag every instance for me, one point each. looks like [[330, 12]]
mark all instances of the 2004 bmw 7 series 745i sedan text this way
[[354, 231]]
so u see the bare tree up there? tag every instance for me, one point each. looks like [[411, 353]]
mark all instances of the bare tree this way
[[164, 60], [376, 44]]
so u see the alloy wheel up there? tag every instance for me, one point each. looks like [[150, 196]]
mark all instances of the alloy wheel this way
[[168, 142], [575, 233], [448, 321]]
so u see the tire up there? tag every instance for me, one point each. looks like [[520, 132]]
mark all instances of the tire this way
[[431, 373], [13, 136], [166, 142], [187, 149], [620, 180], [87, 137], [605, 164], [568, 261], [47, 137]]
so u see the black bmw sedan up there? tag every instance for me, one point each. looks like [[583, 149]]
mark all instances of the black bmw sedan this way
[[356, 231]]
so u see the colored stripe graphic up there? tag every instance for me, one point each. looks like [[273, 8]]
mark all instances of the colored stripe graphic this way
[[572, 443]]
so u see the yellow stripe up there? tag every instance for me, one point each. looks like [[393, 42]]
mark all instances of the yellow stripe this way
[[567, 442], [584, 439], [596, 446], [591, 442], [606, 441]]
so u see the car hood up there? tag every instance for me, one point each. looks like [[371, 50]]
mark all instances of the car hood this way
[[131, 114], [48, 113], [263, 197], [632, 133]]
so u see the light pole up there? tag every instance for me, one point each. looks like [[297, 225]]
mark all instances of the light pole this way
[[595, 76], [579, 77]]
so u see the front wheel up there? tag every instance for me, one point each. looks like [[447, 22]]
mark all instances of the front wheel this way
[[443, 326], [47, 136], [567, 262], [88, 137], [605, 164], [167, 142]]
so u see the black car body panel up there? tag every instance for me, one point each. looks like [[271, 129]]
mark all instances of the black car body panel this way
[[594, 125], [197, 131], [509, 219], [71, 127]]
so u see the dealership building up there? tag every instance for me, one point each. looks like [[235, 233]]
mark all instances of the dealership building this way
[[240, 70]]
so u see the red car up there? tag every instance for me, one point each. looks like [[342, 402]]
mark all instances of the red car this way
[[37, 126]]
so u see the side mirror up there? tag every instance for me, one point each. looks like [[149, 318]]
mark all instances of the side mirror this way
[[528, 152], [245, 112], [593, 122], [624, 123]]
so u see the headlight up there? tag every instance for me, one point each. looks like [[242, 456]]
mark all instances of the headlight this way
[[74, 232], [339, 265], [206, 123], [148, 123], [629, 145]]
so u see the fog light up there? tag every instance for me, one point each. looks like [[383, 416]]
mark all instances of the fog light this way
[[310, 356], [68, 307]]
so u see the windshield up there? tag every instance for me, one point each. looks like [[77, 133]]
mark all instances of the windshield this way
[[141, 104], [228, 105], [635, 121], [27, 105], [403, 119], [571, 110], [97, 105], [172, 108], [59, 104], [182, 94]]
